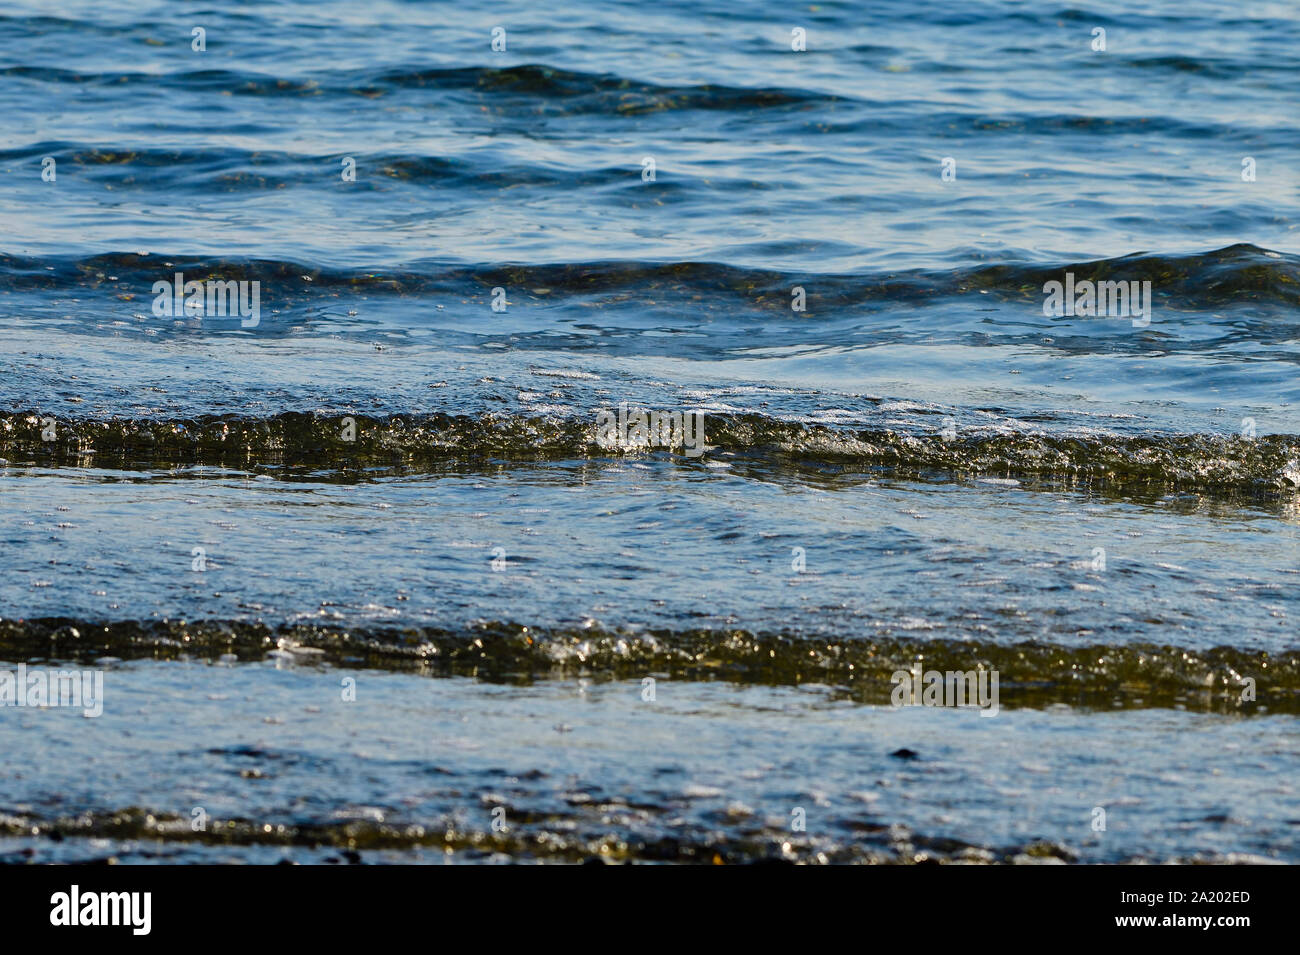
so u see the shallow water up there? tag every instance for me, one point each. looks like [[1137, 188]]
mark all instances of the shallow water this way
[[412, 770], [387, 479], [646, 545]]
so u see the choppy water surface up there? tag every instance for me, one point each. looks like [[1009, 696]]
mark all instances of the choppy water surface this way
[[389, 481]]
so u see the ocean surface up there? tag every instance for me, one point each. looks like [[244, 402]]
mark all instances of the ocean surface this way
[[364, 581]]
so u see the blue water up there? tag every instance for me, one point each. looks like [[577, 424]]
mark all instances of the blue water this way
[[916, 464]]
